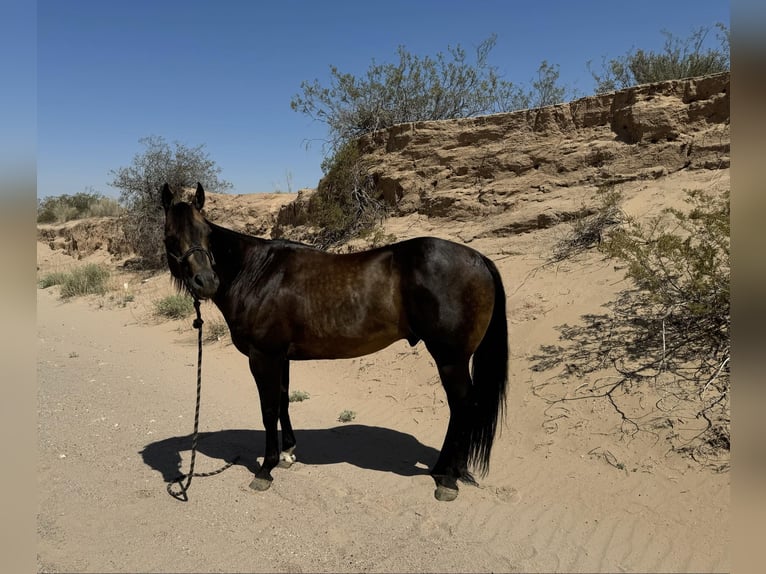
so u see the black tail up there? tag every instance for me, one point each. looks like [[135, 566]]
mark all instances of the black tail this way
[[490, 378]]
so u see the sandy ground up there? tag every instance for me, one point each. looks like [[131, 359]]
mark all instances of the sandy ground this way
[[567, 490]]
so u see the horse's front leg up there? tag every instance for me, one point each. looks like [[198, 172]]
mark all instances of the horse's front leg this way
[[267, 372]]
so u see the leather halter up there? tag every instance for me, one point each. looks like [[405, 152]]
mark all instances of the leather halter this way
[[180, 260]]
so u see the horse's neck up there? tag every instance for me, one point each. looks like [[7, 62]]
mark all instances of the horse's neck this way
[[232, 251]]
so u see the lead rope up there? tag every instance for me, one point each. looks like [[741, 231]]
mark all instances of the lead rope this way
[[181, 494]]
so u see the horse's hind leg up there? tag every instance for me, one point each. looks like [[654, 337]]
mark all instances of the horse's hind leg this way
[[267, 372], [286, 457], [452, 464]]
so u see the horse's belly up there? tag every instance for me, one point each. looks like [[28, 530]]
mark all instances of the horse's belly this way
[[339, 347]]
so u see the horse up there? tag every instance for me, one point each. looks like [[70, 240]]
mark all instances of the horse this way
[[286, 301]]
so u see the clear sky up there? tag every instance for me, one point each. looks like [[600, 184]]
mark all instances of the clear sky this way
[[222, 74]]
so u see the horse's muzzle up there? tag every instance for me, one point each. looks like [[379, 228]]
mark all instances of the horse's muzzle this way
[[204, 284]]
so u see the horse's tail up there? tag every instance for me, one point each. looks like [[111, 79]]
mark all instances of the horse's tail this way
[[490, 378]]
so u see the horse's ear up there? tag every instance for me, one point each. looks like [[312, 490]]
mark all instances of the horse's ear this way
[[199, 197], [167, 197]]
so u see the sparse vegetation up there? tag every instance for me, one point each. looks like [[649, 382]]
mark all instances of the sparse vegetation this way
[[346, 416], [86, 280], [175, 306], [377, 237], [139, 184], [63, 208], [680, 58], [124, 298], [215, 330], [51, 279], [299, 396], [588, 230], [546, 90]]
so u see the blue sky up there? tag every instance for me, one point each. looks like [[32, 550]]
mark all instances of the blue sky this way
[[223, 73]]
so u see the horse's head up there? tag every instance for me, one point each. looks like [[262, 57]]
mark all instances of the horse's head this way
[[187, 244]]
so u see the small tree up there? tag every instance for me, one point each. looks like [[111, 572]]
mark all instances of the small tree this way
[[414, 89], [680, 58], [139, 184]]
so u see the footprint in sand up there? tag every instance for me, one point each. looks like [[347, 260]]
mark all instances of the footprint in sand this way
[[507, 494]]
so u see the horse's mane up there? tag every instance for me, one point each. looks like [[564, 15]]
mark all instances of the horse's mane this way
[[253, 240]]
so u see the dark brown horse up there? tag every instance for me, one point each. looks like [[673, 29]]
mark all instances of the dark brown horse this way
[[287, 301]]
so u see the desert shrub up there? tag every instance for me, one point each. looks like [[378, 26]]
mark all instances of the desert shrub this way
[[413, 89], [51, 279], [215, 330], [680, 58], [63, 208], [589, 228], [86, 280], [670, 331], [104, 207], [299, 396], [344, 204], [140, 183], [680, 263], [176, 306], [346, 416]]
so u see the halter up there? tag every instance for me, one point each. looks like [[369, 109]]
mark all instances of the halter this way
[[182, 259]]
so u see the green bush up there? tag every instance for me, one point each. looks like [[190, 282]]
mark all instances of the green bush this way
[[680, 263], [413, 89], [86, 280], [51, 279], [175, 306], [344, 204], [680, 58]]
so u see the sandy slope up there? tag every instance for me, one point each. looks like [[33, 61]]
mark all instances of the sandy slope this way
[[567, 491]]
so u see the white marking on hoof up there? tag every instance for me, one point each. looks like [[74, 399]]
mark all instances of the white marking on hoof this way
[[286, 458], [260, 484], [444, 494]]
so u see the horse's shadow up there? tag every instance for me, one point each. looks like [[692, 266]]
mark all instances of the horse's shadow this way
[[373, 448]]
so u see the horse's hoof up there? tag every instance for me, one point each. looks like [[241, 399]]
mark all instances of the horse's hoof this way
[[286, 459], [260, 484], [444, 494]]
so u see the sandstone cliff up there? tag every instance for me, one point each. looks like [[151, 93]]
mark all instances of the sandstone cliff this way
[[478, 165]]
